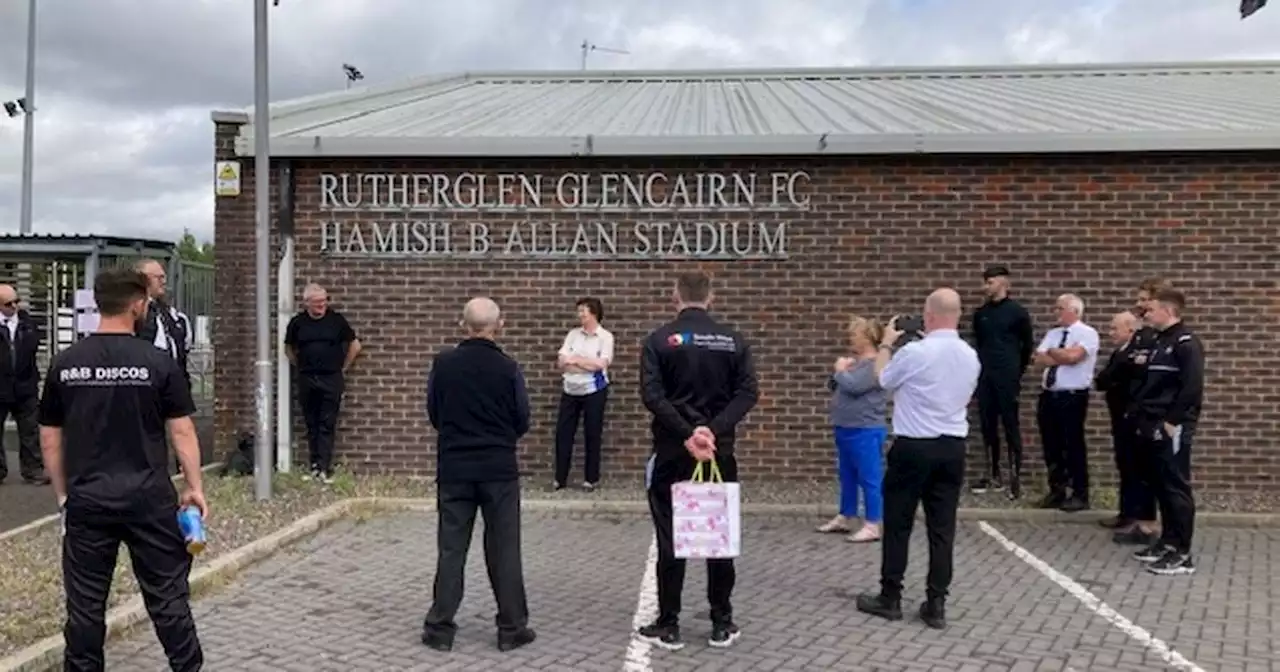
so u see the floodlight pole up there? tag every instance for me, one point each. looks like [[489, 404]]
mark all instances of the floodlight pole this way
[[264, 465]]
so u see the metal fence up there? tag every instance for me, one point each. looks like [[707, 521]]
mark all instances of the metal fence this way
[[192, 289], [46, 288]]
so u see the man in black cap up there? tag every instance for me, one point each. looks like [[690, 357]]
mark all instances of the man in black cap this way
[[1004, 337]]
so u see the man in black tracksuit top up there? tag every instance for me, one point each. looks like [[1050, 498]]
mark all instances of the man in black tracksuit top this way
[[698, 380], [1003, 336], [108, 403], [1163, 413]]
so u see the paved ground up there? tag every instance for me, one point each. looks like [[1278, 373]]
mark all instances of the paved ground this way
[[353, 599], [21, 503]]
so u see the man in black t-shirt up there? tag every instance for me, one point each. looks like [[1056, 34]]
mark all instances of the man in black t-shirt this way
[[322, 347], [108, 402]]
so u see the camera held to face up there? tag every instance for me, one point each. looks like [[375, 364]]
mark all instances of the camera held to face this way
[[911, 326]]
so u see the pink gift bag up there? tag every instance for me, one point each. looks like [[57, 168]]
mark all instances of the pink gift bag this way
[[706, 516]]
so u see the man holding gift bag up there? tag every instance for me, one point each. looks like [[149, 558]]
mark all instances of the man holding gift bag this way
[[698, 380]]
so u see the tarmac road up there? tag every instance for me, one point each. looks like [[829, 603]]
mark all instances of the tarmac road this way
[[21, 503]]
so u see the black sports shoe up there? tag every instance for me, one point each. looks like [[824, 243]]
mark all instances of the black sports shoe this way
[[723, 635], [1151, 553], [666, 637], [1173, 563]]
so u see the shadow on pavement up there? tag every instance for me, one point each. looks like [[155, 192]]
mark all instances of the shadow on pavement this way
[[21, 503]]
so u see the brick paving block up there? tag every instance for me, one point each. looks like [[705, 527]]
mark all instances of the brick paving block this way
[[353, 597]]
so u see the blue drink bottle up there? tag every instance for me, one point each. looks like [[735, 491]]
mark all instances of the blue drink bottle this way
[[192, 529]]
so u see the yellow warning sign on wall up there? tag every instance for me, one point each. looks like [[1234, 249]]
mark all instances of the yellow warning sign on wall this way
[[227, 178]]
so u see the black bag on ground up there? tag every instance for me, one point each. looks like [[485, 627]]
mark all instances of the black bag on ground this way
[[240, 461]]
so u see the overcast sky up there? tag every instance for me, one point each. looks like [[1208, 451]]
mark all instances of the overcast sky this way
[[125, 87]]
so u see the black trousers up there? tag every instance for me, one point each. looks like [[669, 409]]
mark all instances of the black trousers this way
[[721, 574], [1137, 498], [590, 409], [457, 504], [998, 405], [320, 396], [1061, 416], [30, 461], [160, 563], [1168, 459], [928, 472]]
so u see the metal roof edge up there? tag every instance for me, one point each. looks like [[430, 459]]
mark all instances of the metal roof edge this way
[[229, 117], [791, 145], [284, 108]]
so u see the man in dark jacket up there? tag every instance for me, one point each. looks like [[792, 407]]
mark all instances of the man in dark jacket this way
[[20, 386], [163, 325], [1164, 411], [1135, 521], [477, 403], [698, 380], [1003, 336]]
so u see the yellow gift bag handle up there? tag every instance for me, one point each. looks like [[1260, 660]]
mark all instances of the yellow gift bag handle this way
[[715, 473]]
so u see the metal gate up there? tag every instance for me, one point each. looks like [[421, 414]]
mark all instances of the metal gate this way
[[191, 285]]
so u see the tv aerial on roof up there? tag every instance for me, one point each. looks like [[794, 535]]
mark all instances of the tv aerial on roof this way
[[588, 47]]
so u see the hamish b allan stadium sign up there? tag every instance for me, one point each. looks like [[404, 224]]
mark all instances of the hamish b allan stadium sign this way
[[607, 216]]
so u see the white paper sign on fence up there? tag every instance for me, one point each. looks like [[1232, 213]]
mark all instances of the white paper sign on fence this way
[[706, 520]]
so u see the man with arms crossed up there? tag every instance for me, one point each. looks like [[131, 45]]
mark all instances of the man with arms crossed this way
[[477, 403], [108, 401], [698, 380], [1002, 334], [931, 381], [1164, 412], [1070, 354]]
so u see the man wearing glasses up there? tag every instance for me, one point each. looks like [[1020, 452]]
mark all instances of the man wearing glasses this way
[[163, 325], [19, 386]]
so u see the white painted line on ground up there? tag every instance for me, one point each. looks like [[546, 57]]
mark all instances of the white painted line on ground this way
[[638, 651], [1164, 651]]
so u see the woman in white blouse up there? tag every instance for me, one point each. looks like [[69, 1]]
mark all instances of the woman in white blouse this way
[[584, 359]]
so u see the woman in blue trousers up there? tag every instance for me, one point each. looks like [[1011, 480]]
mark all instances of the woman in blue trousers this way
[[858, 407]]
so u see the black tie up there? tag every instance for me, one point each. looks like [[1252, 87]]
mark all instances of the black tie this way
[[1051, 376]]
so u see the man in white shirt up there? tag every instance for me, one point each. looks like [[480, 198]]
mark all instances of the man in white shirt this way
[[584, 359], [932, 380], [1069, 353]]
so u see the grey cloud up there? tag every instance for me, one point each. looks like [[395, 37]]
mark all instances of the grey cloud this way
[[160, 66]]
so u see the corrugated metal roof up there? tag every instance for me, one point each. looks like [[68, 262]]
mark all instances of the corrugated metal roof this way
[[1145, 107]]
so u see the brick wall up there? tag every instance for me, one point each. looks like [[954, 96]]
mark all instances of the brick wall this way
[[882, 233]]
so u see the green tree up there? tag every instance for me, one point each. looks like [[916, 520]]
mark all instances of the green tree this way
[[190, 249]]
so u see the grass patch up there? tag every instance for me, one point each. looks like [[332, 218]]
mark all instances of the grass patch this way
[[31, 595]]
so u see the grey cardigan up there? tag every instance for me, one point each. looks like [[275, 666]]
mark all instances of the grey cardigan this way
[[857, 400]]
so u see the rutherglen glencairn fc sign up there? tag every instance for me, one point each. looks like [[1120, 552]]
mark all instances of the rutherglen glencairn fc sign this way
[[623, 216]]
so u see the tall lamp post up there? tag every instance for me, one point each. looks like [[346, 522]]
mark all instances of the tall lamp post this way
[[264, 465], [28, 123]]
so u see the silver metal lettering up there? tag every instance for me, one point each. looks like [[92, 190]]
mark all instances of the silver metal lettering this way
[[355, 241], [569, 191], [479, 236], [386, 238], [328, 190], [398, 191], [330, 237]]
